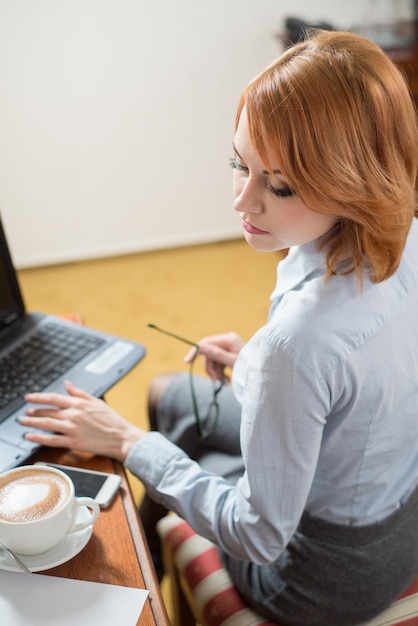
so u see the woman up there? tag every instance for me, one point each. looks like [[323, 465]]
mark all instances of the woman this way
[[308, 481]]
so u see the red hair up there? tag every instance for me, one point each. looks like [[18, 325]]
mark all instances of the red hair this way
[[337, 115]]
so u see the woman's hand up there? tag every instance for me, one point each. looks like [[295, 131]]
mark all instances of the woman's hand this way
[[220, 351], [79, 421]]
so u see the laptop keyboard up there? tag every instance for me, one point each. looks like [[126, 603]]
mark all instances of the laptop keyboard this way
[[39, 360]]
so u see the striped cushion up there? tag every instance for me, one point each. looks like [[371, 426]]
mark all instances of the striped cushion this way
[[217, 600]]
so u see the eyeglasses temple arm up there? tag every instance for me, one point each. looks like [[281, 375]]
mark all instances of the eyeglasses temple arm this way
[[166, 332]]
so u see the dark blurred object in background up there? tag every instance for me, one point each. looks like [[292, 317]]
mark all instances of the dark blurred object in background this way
[[389, 35], [296, 28]]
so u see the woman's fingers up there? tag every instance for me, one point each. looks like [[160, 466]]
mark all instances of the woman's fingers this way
[[59, 400], [222, 349], [72, 390]]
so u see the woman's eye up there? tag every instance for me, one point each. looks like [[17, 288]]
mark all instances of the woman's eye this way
[[236, 165], [282, 192]]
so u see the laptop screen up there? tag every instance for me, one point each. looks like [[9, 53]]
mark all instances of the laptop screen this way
[[11, 302]]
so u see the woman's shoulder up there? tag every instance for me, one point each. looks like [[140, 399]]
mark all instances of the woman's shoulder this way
[[321, 323]]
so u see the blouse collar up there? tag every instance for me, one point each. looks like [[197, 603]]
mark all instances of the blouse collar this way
[[300, 262]]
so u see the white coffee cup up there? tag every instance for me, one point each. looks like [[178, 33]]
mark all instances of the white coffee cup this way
[[38, 508]]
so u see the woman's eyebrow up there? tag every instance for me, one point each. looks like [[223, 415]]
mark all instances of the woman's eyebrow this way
[[236, 151], [264, 171]]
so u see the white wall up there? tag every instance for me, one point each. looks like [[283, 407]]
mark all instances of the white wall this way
[[116, 117]]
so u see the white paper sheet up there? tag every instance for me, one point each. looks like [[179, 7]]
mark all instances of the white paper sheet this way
[[40, 600]]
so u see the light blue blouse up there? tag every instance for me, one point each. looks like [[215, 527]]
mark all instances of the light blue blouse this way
[[329, 394]]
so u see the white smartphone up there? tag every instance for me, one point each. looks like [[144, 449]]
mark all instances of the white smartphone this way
[[98, 485]]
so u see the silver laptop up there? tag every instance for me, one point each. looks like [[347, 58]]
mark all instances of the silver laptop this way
[[38, 352]]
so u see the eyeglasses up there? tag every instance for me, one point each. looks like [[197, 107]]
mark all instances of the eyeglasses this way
[[206, 425]]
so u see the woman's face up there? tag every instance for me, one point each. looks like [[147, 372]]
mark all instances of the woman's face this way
[[273, 216]]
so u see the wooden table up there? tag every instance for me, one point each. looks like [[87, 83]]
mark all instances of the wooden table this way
[[117, 552]]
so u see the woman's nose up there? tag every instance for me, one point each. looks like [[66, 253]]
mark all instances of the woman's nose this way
[[247, 197]]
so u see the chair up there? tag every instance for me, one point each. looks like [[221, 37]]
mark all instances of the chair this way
[[203, 592]]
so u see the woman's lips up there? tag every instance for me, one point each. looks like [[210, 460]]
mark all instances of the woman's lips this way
[[252, 230]]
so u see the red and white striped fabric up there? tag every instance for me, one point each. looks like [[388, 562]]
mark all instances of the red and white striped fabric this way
[[217, 600]]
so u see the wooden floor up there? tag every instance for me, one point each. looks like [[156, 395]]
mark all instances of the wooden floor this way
[[192, 291]]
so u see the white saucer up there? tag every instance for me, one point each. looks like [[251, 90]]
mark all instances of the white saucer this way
[[65, 550]]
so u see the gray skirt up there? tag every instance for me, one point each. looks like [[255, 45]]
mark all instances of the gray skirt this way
[[329, 574]]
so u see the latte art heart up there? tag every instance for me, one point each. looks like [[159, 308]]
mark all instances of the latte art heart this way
[[31, 497]]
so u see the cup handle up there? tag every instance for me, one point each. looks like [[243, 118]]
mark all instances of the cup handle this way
[[91, 504]]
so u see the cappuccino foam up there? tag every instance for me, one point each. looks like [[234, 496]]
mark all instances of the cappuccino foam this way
[[31, 496]]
